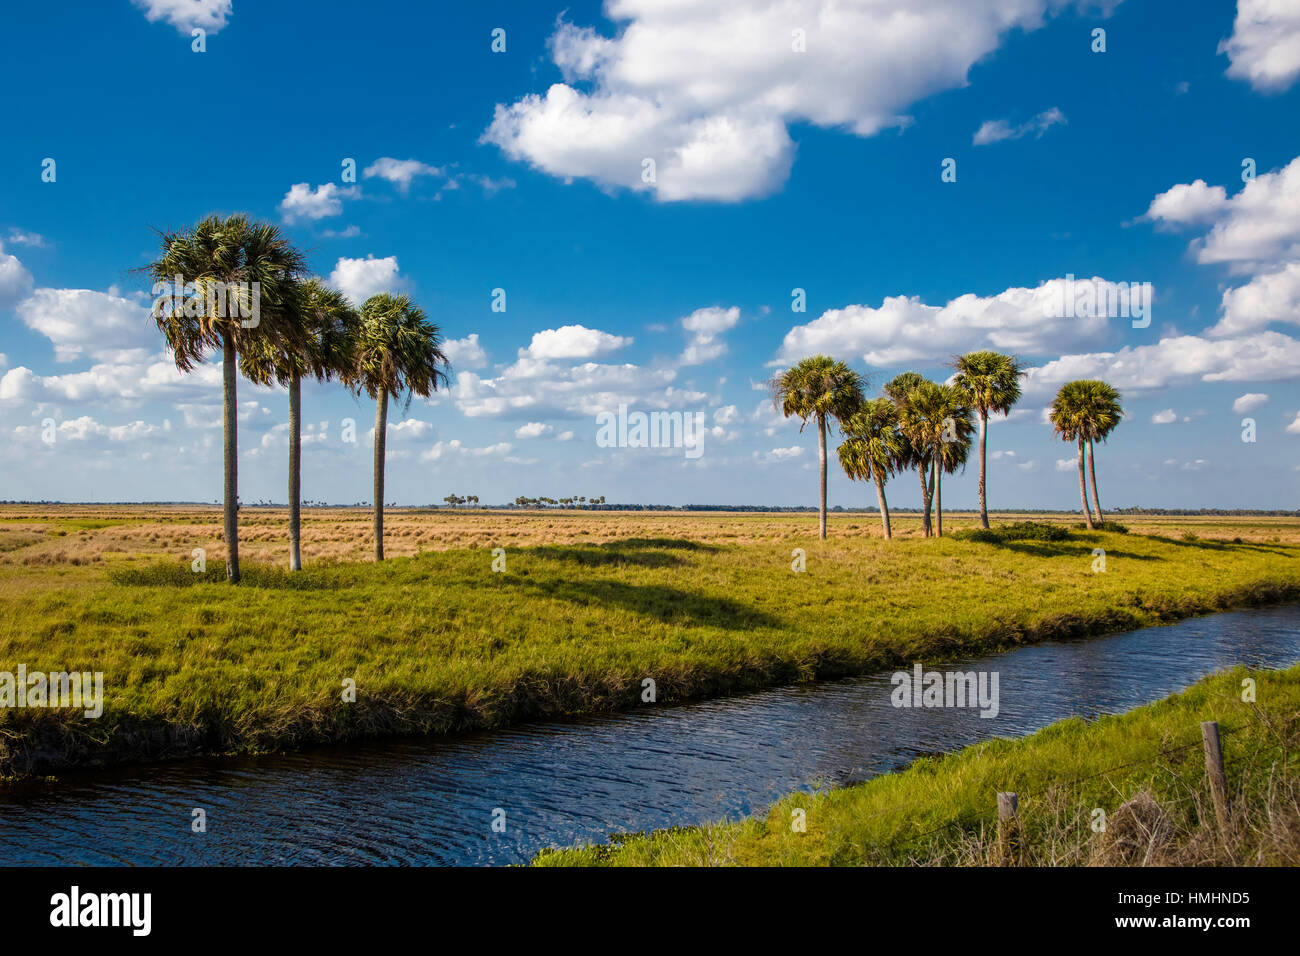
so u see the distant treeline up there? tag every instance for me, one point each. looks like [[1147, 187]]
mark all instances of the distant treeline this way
[[770, 509]]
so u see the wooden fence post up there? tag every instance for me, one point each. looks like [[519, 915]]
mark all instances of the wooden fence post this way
[[1214, 771], [1008, 829]]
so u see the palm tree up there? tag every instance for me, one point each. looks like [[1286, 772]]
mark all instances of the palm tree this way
[[1104, 414], [899, 388], [987, 382], [874, 448], [818, 388], [398, 350], [324, 324], [1071, 415], [237, 268], [938, 424], [954, 446]]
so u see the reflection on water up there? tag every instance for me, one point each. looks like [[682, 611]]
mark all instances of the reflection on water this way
[[431, 801]]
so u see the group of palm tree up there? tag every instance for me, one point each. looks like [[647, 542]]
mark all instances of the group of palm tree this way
[[304, 329], [388, 348], [1085, 411], [929, 426]]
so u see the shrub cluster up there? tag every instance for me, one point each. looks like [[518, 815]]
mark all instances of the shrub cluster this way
[[1019, 531]]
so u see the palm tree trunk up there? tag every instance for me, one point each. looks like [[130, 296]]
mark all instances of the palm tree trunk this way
[[1083, 487], [381, 433], [1092, 474], [924, 473], [884, 505], [295, 472], [984, 509], [821, 457], [938, 497], [230, 423]]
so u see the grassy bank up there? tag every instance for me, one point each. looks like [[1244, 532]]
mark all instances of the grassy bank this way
[[437, 642], [1143, 770]]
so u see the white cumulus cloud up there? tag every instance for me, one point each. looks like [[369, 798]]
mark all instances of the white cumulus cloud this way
[[533, 430], [1256, 233], [400, 172], [185, 15], [1249, 402], [85, 324], [303, 202], [1187, 203], [455, 448], [1175, 360], [573, 342], [708, 89], [706, 327], [1257, 228], [784, 454], [1269, 297], [1264, 48], [15, 280], [466, 352], [904, 329], [359, 279]]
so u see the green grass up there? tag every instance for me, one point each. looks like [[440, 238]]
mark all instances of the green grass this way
[[1144, 770], [439, 643]]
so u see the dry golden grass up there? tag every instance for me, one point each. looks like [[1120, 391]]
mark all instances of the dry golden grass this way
[[84, 534]]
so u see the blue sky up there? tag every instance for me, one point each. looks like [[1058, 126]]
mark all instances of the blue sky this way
[[775, 169]]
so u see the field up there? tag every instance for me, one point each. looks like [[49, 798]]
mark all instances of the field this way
[[589, 606], [78, 534], [1144, 771]]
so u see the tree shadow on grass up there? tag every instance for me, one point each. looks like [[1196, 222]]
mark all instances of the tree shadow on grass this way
[[1215, 544], [1066, 549], [641, 552], [665, 604]]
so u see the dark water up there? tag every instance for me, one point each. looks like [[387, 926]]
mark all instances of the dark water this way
[[432, 801]]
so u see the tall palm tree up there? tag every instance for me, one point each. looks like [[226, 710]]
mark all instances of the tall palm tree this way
[[954, 446], [873, 448], [1070, 414], [398, 350], [899, 389], [325, 327], [1104, 414], [818, 388], [938, 424], [987, 382], [221, 258]]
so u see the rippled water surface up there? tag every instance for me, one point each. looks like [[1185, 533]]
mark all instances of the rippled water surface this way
[[431, 801]]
